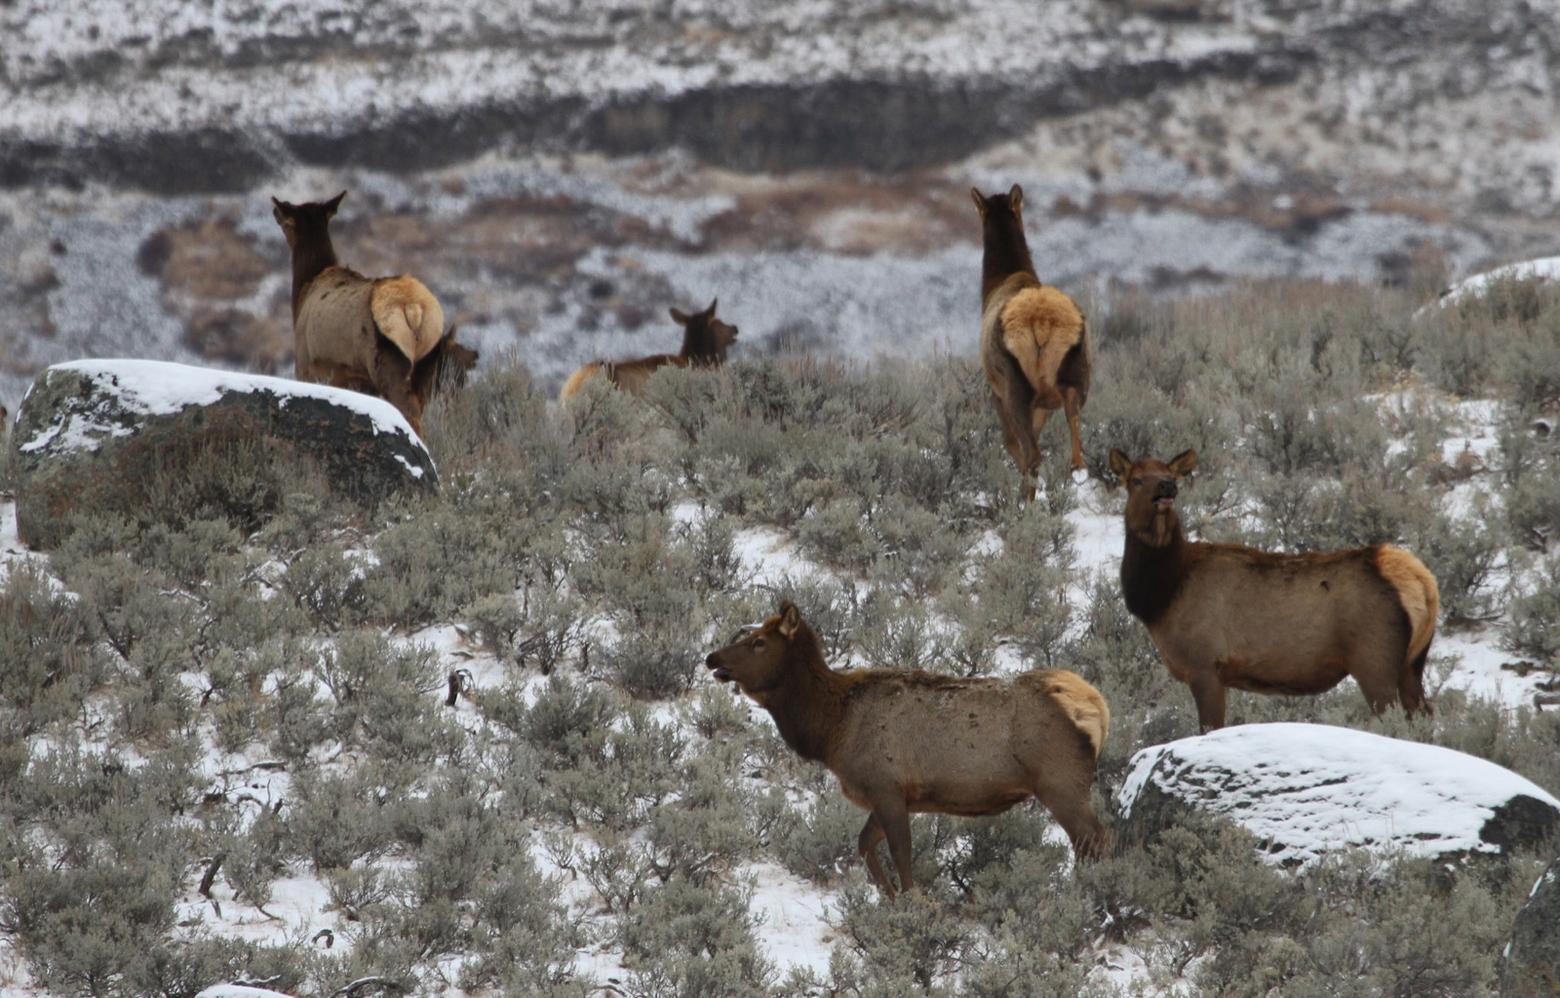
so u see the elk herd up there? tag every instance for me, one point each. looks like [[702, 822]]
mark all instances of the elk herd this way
[[1220, 615]]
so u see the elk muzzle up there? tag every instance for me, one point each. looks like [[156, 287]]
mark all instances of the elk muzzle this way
[[712, 662]]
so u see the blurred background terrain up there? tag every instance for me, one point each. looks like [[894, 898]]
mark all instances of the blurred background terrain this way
[[560, 173]]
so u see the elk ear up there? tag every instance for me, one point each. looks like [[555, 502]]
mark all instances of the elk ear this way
[[679, 316], [1119, 464], [333, 204], [1016, 198], [281, 211], [711, 310], [790, 620], [1184, 463], [980, 202]]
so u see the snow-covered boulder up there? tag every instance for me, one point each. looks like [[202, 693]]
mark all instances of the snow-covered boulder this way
[[1307, 789], [1543, 269], [111, 435], [1532, 961]]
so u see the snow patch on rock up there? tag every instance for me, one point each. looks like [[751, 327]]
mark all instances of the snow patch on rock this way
[[1309, 789]]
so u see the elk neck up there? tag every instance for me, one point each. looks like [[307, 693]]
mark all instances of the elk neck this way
[[313, 254], [809, 703], [1006, 253], [1150, 576]]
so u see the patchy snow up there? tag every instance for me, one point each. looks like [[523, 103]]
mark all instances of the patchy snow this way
[[297, 911], [1477, 668], [239, 991], [1309, 789], [795, 930], [771, 556], [155, 388]]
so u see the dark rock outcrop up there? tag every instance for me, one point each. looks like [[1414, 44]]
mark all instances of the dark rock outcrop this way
[[159, 442], [1532, 960]]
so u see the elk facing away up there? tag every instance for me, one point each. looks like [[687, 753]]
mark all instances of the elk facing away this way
[[384, 336], [705, 342], [1227, 616], [902, 742], [1034, 343]]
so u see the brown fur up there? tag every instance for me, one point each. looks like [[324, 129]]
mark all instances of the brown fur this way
[[902, 742], [705, 342], [1227, 616], [382, 336], [1034, 340]]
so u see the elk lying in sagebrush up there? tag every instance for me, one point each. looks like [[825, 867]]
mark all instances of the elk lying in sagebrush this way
[[384, 336], [705, 342], [1034, 343], [902, 742], [1227, 616]]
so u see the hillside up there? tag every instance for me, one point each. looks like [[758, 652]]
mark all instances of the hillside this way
[[230, 757]]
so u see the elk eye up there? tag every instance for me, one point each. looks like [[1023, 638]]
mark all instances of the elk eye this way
[[1137, 481], [758, 644]]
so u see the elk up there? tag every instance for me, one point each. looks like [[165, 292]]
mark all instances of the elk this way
[[1034, 342], [902, 742], [383, 336], [1226, 616], [705, 342]]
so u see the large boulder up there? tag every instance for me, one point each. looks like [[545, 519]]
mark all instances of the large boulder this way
[[1532, 959], [1306, 789], [157, 441]]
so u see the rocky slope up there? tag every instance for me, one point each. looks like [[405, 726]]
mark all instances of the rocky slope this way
[[560, 173]]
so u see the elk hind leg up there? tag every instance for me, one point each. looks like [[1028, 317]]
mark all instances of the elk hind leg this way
[[866, 844], [1411, 686], [1209, 693], [1072, 404], [893, 817], [1017, 399], [1068, 802], [393, 383], [1378, 671]]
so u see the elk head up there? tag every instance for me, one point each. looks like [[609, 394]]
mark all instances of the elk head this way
[[757, 658], [1152, 486], [1000, 208], [302, 223], [705, 336]]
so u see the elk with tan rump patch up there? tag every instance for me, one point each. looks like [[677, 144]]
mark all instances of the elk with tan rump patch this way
[[1225, 616], [705, 342], [382, 336], [1034, 342], [902, 742]]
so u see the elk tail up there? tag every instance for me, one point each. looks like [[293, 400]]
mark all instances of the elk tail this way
[[1419, 596], [1040, 325], [408, 315], [577, 380], [1082, 704]]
